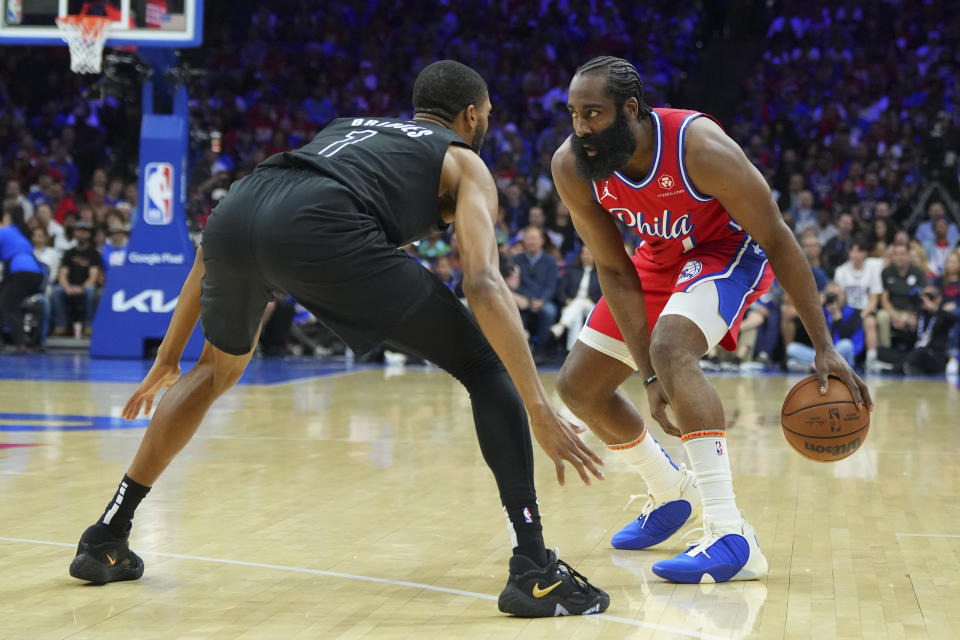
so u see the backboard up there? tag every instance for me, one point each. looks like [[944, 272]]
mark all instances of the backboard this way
[[144, 23]]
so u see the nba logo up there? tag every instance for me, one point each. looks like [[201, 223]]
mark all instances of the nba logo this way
[[14, 12], [158, 199], [719, 448], [690, 271], [527, 516]]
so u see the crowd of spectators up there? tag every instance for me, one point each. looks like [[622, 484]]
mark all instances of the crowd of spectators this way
[[848, 111]]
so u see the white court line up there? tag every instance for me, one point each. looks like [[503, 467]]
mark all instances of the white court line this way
[[928, 535], [397, 583]]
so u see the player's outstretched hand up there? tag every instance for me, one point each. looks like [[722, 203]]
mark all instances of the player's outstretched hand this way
[[830, 363], [558, 438], [658, 402], [161, 375]]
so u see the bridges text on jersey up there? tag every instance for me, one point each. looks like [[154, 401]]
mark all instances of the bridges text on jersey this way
[[412, 130]]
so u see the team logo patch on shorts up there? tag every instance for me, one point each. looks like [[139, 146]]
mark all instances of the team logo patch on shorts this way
[[690, 271]]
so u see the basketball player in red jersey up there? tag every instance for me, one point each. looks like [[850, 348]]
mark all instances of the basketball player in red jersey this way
[[711, 233]]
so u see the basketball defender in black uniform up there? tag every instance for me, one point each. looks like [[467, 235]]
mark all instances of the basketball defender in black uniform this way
[[323, 224]]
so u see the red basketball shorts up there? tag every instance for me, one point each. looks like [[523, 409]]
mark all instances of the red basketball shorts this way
[[712, 286]]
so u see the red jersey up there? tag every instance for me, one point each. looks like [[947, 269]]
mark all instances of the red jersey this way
[[664, 208]]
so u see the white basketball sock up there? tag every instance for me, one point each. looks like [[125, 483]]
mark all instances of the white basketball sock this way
[[707, 451], [654, 465]]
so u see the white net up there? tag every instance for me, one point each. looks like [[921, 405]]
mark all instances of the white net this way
[[86, 36]]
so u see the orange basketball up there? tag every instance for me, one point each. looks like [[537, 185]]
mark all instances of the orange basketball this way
[[824, 428]]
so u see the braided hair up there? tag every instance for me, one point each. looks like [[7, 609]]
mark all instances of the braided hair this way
[[623, 81]]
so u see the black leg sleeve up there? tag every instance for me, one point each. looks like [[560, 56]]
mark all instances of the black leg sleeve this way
[[443, 332]]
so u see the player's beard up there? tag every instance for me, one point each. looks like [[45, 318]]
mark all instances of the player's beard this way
[[614, 146], [477, 143]]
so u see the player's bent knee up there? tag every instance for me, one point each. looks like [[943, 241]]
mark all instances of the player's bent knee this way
[[224, 369], [582, 393], [224, 379], [661, 353], [670, 348]]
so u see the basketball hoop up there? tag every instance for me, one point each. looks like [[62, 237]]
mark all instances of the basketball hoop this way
[[86, 36]]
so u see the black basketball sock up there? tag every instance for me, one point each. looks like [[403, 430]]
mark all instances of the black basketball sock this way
[[119, 514], [525, 523], [98, 533]]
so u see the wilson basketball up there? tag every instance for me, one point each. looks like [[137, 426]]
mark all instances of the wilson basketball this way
[[826, 427]]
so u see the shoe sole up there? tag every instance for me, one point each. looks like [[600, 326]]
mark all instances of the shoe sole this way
[[86, 567], [704, 577], [517, 603], [756, 572]]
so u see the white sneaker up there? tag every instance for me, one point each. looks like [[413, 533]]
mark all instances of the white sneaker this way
[[749, 366], [723, 553], [709, 365], [953, 367], [877, 366], [394, 358]]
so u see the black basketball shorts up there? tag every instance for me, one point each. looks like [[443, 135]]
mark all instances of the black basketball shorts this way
[[295, 232]]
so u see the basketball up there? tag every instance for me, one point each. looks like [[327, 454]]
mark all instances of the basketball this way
[[825, 428]]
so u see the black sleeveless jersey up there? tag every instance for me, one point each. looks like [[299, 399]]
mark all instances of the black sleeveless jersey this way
[[392, 168]]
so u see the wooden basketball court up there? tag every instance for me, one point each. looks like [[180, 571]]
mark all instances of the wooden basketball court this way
[[357, 505]]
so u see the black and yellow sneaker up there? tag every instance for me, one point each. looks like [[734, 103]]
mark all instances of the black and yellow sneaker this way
[[554, 590], [102, 557]]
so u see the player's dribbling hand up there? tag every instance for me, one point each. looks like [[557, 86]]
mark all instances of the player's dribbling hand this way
[[658, 402], [830, 363], [161, 375], [558, 438]]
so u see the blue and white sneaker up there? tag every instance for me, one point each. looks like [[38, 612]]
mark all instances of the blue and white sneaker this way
[[720, 555], [662, 515]]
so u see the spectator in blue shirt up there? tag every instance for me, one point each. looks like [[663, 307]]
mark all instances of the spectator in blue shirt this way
[[22, 273], [38, 192], [846, 327], [926, 231], [538, 282]]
